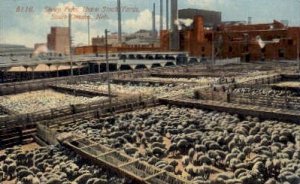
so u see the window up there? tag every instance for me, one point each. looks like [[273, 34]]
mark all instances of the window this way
[[290, 42], [203, 49], [230, 49]]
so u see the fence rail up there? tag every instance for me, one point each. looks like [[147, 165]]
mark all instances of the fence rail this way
[[120, 163], [283, 102]]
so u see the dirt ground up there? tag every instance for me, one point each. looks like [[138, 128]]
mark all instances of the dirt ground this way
[[27, 147]]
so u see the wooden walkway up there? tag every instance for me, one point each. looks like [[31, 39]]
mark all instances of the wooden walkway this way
[[83, 91], [118, 162], [188, 75], [160, 82]]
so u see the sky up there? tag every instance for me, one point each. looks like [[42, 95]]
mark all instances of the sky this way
[[27, 22]]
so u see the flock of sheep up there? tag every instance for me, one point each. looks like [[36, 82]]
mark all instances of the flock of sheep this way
[[51, 165], [265, 92], [204, 147], [128, 88], [42, 100], [145, 89]]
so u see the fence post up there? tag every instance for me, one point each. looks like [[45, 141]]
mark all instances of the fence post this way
[[251, 96], [286, 98], [228, 97]]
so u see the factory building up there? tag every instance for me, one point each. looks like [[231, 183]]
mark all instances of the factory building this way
[[270, 41], [58, 40]]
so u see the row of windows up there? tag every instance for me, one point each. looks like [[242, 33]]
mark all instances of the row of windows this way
[[230, 49]]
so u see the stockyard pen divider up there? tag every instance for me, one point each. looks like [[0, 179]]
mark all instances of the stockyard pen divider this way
[[283, 102], [120, 163]]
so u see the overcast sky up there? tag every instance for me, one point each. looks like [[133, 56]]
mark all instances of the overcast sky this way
[[28, 21]]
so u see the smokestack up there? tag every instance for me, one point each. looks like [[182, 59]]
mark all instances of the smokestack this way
[[174, 26], [167, 14], [89, 38], [153, 23], [249, 20], [119, 22], [161, 15]]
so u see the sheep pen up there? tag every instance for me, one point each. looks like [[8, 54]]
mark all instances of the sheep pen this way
[[51, 165], [42, 100], [202, 146]]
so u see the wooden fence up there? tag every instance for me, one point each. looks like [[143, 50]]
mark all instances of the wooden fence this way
[[23, 120]]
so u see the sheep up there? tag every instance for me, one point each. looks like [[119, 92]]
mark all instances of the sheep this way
[[174, 163], [54, 181], [271, 181], [4, 167], [204, 160], [11, 170], [97, 181], [8, 161], [161, 163], [169, 168], [222, 177], [153, 160], [204, 171], [259, 167], [83, 178], [3, 157], [191, 152], [2, 176], [183, 145], [290, 177], [200, 148], [239, 171], [247, 179], [185, 160], [21, 159], [233, 162], [190, 170], [23, 173], [130, 150], [172, 149], [158, 152], [229, 157], [158, 144]]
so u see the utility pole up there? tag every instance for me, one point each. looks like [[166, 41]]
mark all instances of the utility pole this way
[[119, 21], [107, 71], [167, 15], [298, 60], [70, 43], [153, 24], [89, 38], [212, 48], [161, 16]]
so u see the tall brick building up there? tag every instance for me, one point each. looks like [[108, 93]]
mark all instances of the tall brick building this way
[[271, 41], [58, 40]]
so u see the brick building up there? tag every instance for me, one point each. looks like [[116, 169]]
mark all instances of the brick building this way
[[93, 49], [272, 41], [58, 40]]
